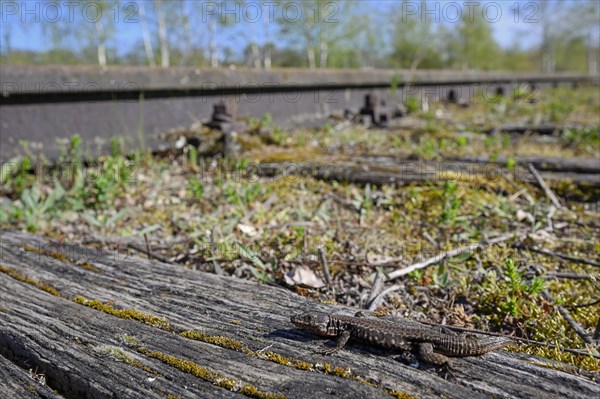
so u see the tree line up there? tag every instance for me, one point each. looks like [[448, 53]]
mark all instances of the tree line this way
[[312, 34]]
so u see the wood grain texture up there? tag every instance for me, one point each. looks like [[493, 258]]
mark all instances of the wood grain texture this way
[[248, 339], [16, 382]]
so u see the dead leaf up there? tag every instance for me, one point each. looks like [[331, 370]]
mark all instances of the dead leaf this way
[[250, 231], [542, 236], [375, 259], [305, 277], [521, 215]]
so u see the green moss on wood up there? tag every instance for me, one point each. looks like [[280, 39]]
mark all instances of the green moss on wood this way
[[36, 283], [401, 395], [286, 361], [120, 355], [215, 378], [218, 340], [57, 256], [129, 314]]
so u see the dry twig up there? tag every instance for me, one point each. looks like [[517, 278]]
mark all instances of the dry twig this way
[[549, 193], [375, 289], [514, 185], [379, 298], [557, 255], [146, 251], [448, 254], [570, 321], [325, 267]]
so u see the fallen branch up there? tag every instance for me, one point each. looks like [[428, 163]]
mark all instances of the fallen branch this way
[[570, 321], [583, 305], [558, 255], [448, 254], [549, 193], [537, 129], [149, 254], [575, 165], [401, 173], [567, 275], [148, 250], [514, 185], [325, 268], [379, 298], [522, 340], [375, 290]]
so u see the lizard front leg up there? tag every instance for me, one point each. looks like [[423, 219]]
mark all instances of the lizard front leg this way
[[341, 341], [427, 354]]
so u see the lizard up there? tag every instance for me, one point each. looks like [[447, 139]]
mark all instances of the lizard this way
[[433, 345]]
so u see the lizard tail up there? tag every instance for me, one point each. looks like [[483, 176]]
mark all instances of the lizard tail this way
[[492, 343]]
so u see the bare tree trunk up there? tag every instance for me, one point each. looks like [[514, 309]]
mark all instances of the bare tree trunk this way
[[548, 41], [267, 43], [254, 47], [146, 35], [162, 35], [324, 48], [310, 52], [255, 55], [418, 58], [212, 46], [101, 44], [592, 56], [310, 49], [548, 60], [7, 43], [187, 36]]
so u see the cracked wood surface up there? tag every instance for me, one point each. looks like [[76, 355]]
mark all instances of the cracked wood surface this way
[[16, 382], [82, 352]]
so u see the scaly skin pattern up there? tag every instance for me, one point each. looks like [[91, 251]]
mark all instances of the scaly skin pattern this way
[[433, 344]]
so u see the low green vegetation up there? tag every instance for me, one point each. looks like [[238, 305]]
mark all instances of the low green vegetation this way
[[46, 193], [507, 293], [220, 215]]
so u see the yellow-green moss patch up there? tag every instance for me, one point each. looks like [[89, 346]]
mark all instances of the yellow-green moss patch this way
[[129, 340], [218, 340], [55, 255], [58, 256], [286, 361], [274, 357], [130, 314], [340, 372], [401, 395], [120, 355], [90, 267], [215, 378], [36, 283], [580, 361]]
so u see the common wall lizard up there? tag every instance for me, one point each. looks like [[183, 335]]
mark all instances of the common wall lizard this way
[[431, 344]]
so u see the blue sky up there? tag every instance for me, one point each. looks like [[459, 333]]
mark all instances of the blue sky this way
[[509, 26]]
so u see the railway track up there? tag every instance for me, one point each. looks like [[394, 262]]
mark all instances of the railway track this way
[[42, 104]]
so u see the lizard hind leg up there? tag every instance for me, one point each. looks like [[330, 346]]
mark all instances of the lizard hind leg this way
[[339, 344], [427, 354]]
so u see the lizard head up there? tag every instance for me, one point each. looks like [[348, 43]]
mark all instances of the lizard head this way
[[316, 323]]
